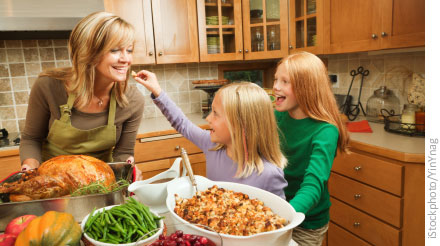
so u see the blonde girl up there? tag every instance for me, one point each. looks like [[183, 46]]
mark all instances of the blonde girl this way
[[242, 145], [87, 108], [311, 130]]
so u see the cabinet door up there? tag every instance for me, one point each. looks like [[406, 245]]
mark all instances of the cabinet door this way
[[265, 29], [9, 164], [175, 31], [306, 29], [403, 23], [220, 40], [137, 13], [352, 26]]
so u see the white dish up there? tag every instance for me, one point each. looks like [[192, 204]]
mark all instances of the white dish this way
[[283, 236], [140, 243]]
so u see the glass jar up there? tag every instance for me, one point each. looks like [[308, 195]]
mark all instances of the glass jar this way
[[420, 119], [382, 98], [408, 118]]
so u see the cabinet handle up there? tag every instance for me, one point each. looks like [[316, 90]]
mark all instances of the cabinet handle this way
[[357, 168], [177, 147], [356, 224], [246, 50], [150, 53], [290, 47], [357, 196], [384, 34], [239, 51], [160, 53], [374, 36]]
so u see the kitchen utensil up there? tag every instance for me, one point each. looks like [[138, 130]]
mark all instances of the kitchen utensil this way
[[382, 98], [122, 170], [394, 124], [154, 194], [146, 241], [354, 109], [188, 167], [184, 189]]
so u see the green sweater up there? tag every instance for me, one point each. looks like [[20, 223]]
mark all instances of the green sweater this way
[[310, 147]]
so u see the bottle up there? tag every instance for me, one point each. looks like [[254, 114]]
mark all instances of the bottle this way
[[420, 120], [408, 118]]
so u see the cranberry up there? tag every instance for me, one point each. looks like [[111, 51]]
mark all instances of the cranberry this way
[[197, 244], [161, 237], [156, 243], [170, 243], [186, 236], [179, 233], [181, 244], [203, 240], [179, 240], [193, 238], [173, 237]]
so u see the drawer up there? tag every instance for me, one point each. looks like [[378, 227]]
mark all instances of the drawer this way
[[378, 203], [364, 226], [337, 236], [373, 171], [162, 148]]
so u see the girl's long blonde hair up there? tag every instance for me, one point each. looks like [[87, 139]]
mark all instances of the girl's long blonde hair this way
[[94, 36], [251, 122], [311, 87]]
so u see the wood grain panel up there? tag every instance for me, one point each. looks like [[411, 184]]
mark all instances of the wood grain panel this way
[[373, 171], [370, 229], [337, 236], [8, 165], [162, 149], [380, 204]]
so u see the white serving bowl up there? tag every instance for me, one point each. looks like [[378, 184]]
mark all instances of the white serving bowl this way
[[280, 237], [142, 242]]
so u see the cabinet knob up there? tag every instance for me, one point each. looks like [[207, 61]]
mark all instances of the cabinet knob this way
[[246, 50], [160, 53], [177, 147], [356, 224], [384, 34], [374, 36], [357, 168], [290, 47], [357, 196], [150, 53], [239, 51]]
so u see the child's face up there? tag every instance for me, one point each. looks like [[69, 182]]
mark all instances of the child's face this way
[[282, 88], [218, 123]]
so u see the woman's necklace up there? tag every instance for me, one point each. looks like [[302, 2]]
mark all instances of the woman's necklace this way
[[100, 102]]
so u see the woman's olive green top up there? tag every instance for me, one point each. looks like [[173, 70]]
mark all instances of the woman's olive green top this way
[[49, 94]]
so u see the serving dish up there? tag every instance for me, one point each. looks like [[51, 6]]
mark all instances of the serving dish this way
[[143, 242], [184, 189]]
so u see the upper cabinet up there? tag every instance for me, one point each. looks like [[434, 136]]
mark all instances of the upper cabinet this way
[[236, 30], [172, 37], [265, 29], [360, 25], [306, 26]]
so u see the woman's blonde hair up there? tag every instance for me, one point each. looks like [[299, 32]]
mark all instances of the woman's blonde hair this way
[[251, 122], [94, 36], [311, 87]]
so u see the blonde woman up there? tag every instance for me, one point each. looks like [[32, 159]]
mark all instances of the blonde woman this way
[[87, 108], [311, 131], [242, 145]]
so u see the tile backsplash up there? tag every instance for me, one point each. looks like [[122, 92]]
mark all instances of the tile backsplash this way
[[22, 60], [393, 70]]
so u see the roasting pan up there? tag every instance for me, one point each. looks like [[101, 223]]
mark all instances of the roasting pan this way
[[78, 206]]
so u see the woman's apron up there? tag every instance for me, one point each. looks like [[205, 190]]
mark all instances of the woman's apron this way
[[64, 139]]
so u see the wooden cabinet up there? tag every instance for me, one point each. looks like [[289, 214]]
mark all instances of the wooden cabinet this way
[[358, 25], [306, 26], [376, 200], [156, 154], [9, 162], [173, 23]]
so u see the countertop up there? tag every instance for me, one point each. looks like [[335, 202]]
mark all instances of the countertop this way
[[400, 147]]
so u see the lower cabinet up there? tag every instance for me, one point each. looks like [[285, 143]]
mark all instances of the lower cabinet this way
[[376, 201], [9, 163], [154, 155]]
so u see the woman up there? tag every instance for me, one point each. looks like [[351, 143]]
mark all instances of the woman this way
[[87, 108]]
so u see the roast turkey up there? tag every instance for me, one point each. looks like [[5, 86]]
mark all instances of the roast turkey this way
[[60, 176]]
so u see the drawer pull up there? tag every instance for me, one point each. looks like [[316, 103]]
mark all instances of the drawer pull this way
[[357, 168], [356, 224], [357, 196], [177, 147]]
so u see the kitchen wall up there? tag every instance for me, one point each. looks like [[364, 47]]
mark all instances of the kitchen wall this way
[[393, 70], [22, 60]]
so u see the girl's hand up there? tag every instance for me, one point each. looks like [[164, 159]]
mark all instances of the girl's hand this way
[[149, 80]]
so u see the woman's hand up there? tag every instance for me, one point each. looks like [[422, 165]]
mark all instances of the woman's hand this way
[[137, 174], [29, 164], [149, 80]]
